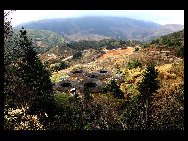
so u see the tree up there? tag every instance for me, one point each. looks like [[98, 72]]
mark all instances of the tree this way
[[77, 55], [181, 52], [134, 64], [34, 76], [26, 82], [11, 75], [136, 49], [114, 89], [63, 65], [147, 87], [9, 45]]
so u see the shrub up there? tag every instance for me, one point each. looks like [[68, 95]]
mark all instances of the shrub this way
[[63, 65], [136, 49], [114, 89], [181, 52], [169, 108], [119, 71], [134, 64], [77, 55], [80, 114], [55, 68]]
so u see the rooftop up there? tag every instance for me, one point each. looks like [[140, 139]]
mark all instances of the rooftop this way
[[94, 75], [93, 85], [104, 72], [77, 73], [66, 85]]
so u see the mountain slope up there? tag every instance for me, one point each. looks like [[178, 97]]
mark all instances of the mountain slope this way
[[97, 28], [43, 39], [172, 43], [163, 30]]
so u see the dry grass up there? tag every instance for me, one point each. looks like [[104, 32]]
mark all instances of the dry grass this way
[[171, 74], [169, 102]]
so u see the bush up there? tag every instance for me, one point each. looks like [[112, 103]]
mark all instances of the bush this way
[[181, 52], [119, 71], [169, 114], [77, 55], [63, 65], [136, 49], [114, 89], [134, 64], [84, 114]]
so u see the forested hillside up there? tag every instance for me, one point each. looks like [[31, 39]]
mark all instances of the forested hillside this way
[[105, 43], [173, 43], [43, 39]]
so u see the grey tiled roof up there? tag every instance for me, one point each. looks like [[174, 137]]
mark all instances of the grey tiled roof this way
[[77, 73], [104, 72], [94, 75], [93, 85], [91, 80], [66, 85]]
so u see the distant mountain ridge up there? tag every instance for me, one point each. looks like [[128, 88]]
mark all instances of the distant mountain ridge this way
[[97, 28]]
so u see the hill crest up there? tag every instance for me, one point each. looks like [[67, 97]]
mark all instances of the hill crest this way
[[97, 28]]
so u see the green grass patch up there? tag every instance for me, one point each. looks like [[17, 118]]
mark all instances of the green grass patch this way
[[55, 78]]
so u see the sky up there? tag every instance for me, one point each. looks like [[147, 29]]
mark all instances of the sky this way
[[158, 16]]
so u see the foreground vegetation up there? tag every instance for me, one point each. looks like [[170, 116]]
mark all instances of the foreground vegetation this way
[[151, 98]]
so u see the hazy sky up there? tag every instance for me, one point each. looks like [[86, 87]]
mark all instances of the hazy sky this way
[[158, 16]]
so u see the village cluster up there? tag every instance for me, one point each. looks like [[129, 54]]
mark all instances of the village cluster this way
[[78, 79]]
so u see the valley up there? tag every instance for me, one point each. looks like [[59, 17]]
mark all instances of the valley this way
[[115, 55], [94, 73], [112, 55]]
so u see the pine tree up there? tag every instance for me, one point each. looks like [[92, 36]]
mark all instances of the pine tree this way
[[147, 88], [34, 76], [12, 83], [149, 84]]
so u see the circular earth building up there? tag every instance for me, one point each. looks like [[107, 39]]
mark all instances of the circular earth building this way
[[95, 75], [104, 72], [66, 85], [93, 85], [77, 73]]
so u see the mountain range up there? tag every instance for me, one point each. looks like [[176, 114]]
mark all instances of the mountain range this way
[[97, 28]]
